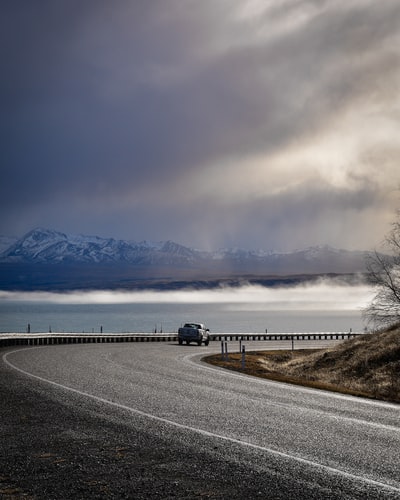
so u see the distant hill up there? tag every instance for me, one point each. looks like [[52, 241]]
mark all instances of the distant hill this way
[[47, 259], [6, 242]]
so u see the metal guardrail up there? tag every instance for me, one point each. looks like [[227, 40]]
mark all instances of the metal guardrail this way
[[74, 338], [285, 336], [17, 339]]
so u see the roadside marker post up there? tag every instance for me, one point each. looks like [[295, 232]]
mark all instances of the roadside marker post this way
[[243, 357]]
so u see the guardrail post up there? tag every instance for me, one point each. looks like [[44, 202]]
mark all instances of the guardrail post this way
[[243, 357]]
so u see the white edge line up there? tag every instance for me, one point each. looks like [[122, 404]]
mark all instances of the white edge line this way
[[295, 387], [358, 421], [203, 432]]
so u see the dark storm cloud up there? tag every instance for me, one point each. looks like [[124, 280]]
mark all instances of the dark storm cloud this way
[[117, 102]]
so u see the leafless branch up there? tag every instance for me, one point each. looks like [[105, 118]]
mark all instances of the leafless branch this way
[[383, 271]]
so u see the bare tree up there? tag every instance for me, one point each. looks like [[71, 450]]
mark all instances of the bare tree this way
[[383, 272]]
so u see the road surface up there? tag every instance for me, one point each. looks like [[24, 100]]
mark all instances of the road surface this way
[[275, 440]]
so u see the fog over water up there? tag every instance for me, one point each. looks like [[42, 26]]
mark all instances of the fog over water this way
[[322, 295], [321, 306]]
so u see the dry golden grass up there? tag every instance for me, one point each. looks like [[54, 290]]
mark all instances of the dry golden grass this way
[[368, 365]]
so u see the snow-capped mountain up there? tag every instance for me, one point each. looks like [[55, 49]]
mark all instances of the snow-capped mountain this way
[[48, 246], [52, 247], [46, 258]]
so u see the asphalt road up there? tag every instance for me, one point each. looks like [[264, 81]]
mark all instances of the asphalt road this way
[[241, 433]]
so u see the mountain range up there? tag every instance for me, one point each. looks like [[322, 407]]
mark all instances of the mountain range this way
[[48, 259]]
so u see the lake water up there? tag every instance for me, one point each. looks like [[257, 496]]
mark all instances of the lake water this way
[[324, 307]]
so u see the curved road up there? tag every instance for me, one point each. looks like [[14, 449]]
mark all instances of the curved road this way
[[305, 443]]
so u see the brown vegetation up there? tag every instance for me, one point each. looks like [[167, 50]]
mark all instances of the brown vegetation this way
[[368, 365]]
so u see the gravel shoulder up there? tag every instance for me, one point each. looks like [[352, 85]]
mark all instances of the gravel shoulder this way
[[51, 448], [58, 446]]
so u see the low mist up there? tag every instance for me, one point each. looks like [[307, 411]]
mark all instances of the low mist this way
[[323, 295]]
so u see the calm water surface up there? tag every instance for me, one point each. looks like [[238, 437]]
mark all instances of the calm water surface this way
[[168, 317]]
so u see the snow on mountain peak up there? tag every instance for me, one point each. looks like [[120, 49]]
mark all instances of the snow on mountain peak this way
[[48, 246]]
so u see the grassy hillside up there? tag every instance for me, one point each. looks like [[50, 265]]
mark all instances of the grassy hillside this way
[[368, 365]]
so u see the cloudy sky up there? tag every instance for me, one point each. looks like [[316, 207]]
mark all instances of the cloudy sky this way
[[255, 124]]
